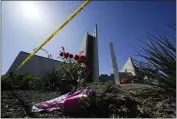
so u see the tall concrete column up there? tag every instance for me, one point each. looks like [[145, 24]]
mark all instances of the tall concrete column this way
[[114, 64], [96, 59]]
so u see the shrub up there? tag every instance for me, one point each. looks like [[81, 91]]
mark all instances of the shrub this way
[[14, 81], [51, 80], [74, 68]]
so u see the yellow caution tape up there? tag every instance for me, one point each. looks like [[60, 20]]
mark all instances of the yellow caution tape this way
[[54, 33]]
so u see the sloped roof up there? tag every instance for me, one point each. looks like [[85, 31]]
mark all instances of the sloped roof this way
[[129, 67], [37, 65]]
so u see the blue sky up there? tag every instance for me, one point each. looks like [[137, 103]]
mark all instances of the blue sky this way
[[26, 25]]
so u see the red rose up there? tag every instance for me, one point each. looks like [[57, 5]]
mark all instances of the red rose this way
[[76, 57], [83, 57], [79, 60], [70, 55], [89, 70], [66, 55], [61, 54]]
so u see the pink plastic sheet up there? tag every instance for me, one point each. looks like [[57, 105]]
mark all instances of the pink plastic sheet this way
[[68, 102]]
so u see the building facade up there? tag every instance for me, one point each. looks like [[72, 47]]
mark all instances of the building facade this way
[[129, 67], [37, 65], [125, 78], [89, 48]]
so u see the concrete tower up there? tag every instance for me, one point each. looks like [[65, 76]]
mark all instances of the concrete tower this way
[[89, 48], [114, 64]]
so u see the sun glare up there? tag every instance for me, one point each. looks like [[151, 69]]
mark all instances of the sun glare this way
[[29, 10]]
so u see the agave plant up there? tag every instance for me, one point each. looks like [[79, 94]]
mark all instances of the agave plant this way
[[160, 54]]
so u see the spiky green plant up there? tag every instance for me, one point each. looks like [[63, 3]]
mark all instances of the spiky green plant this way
[[160, 54]]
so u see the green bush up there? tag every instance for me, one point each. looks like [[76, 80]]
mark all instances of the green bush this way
[[36, 83], [14, 81], [6, 83], [74, 68], [51, 80]]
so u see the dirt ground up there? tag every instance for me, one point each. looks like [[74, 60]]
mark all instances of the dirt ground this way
[[11, 108]]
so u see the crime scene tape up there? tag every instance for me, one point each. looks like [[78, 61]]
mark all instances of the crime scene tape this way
[[54, 33]]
